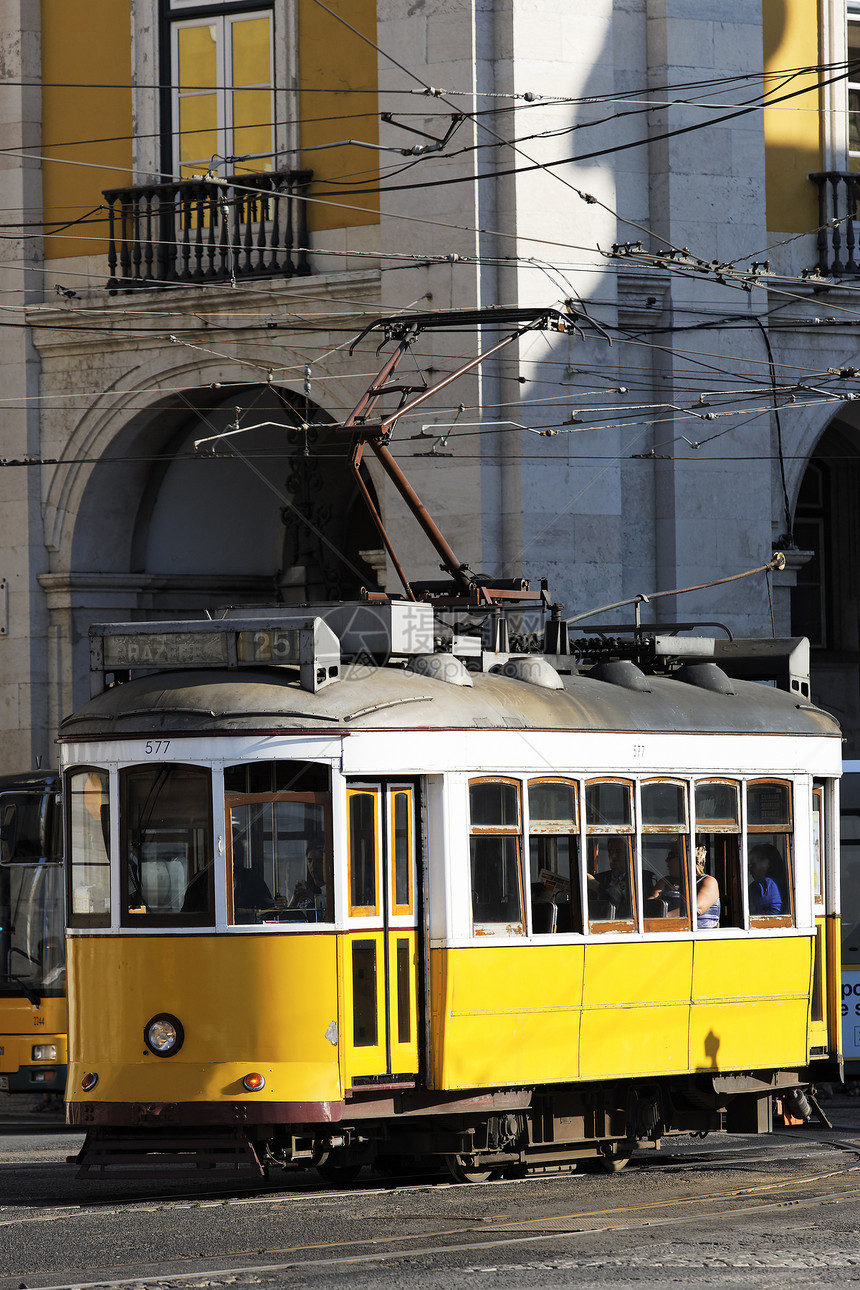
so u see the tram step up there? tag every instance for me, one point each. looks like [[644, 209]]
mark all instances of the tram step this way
[[170, 1155]]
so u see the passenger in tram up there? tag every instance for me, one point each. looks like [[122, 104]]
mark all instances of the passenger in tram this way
[[250, 890], [611, 887], [668, 889], [707, 894], [309, 892], [198, 892], [764, 895]]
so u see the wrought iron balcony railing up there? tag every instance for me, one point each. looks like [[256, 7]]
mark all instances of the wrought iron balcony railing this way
[[838, 192], [200, 230]]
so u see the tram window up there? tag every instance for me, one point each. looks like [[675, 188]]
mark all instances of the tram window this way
[[818, 843], [849, 867], [364, 995], [719, 902], [664, 804], [363, 851], [609, 802], [554, 856], [166, 840], [665, 882], [404, 1011], [610, 878], [280, 855], [87, 796], [494, 804], [268, 777], [495, 858], [665, 858], [769, 835], [402, 837]]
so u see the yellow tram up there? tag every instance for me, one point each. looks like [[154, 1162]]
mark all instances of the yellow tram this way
[[364, 884]]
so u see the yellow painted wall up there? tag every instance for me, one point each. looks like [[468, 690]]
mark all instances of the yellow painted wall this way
[[792, 130], [91, 121], [88, 42], [332, 61]]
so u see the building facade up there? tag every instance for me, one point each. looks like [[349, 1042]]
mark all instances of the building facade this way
[[206, 203]]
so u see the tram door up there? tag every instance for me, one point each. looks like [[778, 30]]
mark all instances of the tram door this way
[[824, 1008], [379, 968]]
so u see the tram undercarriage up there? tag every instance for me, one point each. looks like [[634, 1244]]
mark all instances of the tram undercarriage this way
[[514, 1132]]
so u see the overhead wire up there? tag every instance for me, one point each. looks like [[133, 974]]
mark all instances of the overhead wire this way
[[507, 142]]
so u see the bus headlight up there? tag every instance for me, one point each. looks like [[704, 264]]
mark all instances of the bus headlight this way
[[163, 1035], [44, 1052]]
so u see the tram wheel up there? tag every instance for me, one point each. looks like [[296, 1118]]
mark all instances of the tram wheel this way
[[614, 1156], [462, 1171]]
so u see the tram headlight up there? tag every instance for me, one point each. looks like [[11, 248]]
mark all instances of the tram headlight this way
[[163, 1035], [44, 1052]]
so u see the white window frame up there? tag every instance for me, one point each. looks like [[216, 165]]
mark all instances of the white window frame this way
[[834, 43], [224, 82], [149, 65]]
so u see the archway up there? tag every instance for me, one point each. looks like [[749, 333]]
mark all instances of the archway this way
[[258, 488], [825, 603], [164, 529]]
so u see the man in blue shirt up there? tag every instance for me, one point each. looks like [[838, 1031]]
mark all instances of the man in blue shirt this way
[[764, 894]]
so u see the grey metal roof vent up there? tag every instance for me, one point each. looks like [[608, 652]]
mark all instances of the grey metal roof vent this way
[[707, 676], [621, 671], [533, 669], [440, 667]]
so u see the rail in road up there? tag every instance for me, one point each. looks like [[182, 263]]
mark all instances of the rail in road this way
[[739, 1211]]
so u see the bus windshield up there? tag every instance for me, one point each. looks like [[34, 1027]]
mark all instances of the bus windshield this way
[[32, 913]]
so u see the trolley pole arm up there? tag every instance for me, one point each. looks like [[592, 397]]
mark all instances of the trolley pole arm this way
[[378, 432], [355, 462], [387, 424], [422, 515]]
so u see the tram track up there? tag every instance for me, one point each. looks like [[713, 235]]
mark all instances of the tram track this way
[[388, 1249], [293, 1192], [483, 1234]]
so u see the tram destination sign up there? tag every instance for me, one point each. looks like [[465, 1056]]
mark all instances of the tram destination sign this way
[[166, 649], [204, 648], [216, 643]]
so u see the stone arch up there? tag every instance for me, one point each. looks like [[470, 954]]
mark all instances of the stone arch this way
[[161, 529], [825, 602], [234, 507]]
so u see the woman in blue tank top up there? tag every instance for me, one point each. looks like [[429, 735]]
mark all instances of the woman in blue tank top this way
[[707, 894]]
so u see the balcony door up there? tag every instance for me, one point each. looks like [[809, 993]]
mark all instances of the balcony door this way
[[223, 93]]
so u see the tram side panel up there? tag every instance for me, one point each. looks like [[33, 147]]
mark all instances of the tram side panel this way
[[527, 1012], [536, 1014], [248, 1004]]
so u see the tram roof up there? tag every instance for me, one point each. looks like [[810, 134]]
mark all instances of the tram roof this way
[[368, 697]]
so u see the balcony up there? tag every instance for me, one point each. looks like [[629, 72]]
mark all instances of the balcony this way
[[198, 231], [838, 192]]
